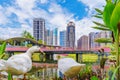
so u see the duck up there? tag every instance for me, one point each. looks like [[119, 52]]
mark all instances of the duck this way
[[69, 67], [19, 64]]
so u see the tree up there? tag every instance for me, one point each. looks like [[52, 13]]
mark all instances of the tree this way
[[26, 34]]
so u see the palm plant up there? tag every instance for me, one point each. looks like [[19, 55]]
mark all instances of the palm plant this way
[[111, 17]]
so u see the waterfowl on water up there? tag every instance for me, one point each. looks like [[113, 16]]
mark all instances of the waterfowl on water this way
[[69, 67], [19, 64]]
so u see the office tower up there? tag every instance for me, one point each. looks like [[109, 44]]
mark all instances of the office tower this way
[[49, 37], [83, 43], [105, 34], [55, 37], [39, 29], [70, 37], [97, 35], [91, 40], [63, 38]]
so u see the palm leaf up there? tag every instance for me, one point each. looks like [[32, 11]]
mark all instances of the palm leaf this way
[[99, 24], [101, 28], [103, 40], [115, 17], [98, 16], [99, 11], [107, 13]]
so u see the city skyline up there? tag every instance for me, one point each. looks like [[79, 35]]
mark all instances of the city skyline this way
[[16, 16]]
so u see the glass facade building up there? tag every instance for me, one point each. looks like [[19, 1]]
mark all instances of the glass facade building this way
[[39, 29], [63, 38], [70, 35]]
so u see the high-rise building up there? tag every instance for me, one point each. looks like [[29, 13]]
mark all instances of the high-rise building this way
[[93, 36], [49, 37], [63, 38], [55, 36], [70, 35], [105, 34], [39, 29], [91, 40], [83, 43]]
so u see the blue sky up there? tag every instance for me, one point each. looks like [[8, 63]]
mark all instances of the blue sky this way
[[17, 15]]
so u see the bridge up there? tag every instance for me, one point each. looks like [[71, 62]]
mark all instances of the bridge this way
[[50, 51], [54, 49]]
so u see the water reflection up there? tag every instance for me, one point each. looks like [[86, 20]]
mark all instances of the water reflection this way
[[44, 74]]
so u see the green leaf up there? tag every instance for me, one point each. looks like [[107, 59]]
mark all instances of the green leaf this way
[[103, 40], [113, 76], [115, 17], [93, 78], [98, 16], [9, 76], [102, 62], [99, 24], [2, 48], [108, 10], [99, 11], [101, 28]]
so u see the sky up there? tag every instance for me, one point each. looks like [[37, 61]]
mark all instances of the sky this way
[[17, 15]]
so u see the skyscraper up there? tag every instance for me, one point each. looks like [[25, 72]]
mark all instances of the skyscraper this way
[[49, 37], [96, 35], [63, 38], [83, 43], [55, 36], [105, 34], [39, 29], [91, 40], [70, 37]]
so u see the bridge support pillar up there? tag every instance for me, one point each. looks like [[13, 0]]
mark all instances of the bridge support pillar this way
[[77, 57], [80, 57], [51, 56]]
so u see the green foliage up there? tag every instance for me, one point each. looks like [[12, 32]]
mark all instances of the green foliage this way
[[101, 28], [102, 62], [9, 76], [29, 45], [99, 24], [99, 11], [111, 18], [113, 76], [86, 70], [107, 13], [26, 34], [94, 78], [115, 17], [104, 40], [40, 41], [2, 49], [98, 16]]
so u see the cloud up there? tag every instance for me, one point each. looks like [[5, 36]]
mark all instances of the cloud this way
[[3, 17], [56, 17], [84, 26], [93, 4], [43, 1], [54, 14]]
